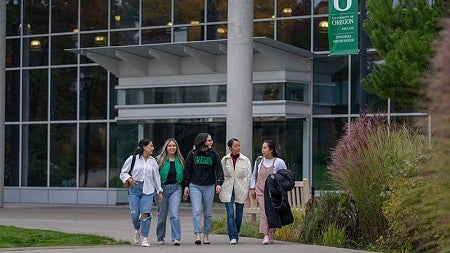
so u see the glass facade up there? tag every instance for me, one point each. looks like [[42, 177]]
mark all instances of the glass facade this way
[[61, 127]]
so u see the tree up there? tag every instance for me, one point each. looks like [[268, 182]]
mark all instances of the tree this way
[[403, 33]]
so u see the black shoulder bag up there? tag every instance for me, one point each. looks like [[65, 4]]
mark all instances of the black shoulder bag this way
[[133, 160]]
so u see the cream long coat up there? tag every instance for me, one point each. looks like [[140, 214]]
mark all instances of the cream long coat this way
[[238, 177]]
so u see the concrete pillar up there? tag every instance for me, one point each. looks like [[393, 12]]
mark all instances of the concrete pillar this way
[[240, 73]]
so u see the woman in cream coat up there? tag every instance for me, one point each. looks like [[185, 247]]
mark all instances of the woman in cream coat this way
[[237, 172]]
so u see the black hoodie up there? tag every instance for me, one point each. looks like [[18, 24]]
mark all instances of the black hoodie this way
[[203, 168]]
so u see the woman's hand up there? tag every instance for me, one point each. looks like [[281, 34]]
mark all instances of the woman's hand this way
[[186, 193], [253, 193], [131, 182], [160, 197], [218, 188]]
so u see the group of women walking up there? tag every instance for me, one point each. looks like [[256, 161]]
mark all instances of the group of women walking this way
[[199, 177]]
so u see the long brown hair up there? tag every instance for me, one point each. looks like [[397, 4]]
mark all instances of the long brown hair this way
[[163, 155]]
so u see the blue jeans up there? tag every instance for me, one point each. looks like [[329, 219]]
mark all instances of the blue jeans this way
[[170, 204], [234, 220], [202, 195], [139, 204]]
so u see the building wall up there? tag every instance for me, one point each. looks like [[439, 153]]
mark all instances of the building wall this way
[[62, 138]]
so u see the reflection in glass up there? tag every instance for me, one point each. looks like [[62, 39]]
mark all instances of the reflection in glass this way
[[330, 85], [59, 55], [11, 155], [35, 51], [125, 38], [113, 82], [263, 9], [187, 11], [13, 18], [320, 35], [154, 36], [63, 154], [12, 95], [93, 93], [293, 8], [93, 15], [34, 155], [156, 12], [36, 16], [64, 16], [296, 32], [63, 104], [320, 6], [125, 14], [217, 10], [92, 155], [12, 53], [263, 29], [326, 133], [35, 94]]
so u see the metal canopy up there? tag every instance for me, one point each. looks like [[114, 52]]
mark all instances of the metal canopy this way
[[215, 47]]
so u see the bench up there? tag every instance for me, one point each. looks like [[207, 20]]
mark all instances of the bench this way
[[297, 198]]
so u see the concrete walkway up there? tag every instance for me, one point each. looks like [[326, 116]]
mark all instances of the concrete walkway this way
[[114, 221]]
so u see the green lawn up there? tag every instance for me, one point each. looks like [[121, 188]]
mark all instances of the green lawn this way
[[14, 237]]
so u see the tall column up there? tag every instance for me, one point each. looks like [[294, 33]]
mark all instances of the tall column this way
[[240, 73], [2, 97]]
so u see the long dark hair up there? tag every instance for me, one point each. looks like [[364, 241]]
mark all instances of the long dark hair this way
[[199, 142], [140, 149], [272, 146]]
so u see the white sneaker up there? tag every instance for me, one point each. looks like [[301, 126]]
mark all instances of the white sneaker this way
[[145, 242], [266, 240], [137, 236], [176, 242], [161, 242], [233, 241]]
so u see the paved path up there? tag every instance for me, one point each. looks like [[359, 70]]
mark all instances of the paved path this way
[[113, 221]]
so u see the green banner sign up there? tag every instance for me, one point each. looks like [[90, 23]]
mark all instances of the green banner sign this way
[[343, 27]]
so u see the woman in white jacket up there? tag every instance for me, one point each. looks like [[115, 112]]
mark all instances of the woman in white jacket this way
[[237, 172]]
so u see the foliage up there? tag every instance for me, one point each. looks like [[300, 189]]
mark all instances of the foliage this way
[[14, 237], [248, 229], [403, 35], [330, 208], [334, 236], [291, 232], [368, 158]]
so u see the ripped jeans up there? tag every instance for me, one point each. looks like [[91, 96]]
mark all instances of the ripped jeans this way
[[140, 203]]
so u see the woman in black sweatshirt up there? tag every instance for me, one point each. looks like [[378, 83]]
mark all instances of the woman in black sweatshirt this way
[[203, 176]]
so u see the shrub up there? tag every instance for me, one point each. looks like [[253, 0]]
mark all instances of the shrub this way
[[291, 232], [367, 160], [333, 236], [330, 208]]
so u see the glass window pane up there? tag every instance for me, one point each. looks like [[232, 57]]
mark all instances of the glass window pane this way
[[94, 15], [326, 133], [63, 93], [63, 150], [188, 11], [263, 9], [296, 32], [320, 6], [59, 55], [125, 38], [11, 155], [12, 53], [330, 85], [296, 92], [268, 91], [12, 95], [13, 18], [124, 14], [64, 16], [93, 93], [35, 51], [217, 32], [35, 94], [92, 155], [92, 40], [217, 10], [321, 34], [156, 12], [113, 82], [293, 8], [36, 15], [263, 29], [34, 155], [154, 36]]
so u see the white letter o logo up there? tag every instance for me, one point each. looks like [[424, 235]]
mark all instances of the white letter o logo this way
[[336, 5]]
